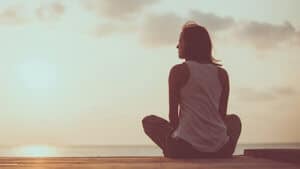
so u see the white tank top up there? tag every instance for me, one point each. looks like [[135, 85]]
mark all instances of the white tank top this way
[[200, 122]]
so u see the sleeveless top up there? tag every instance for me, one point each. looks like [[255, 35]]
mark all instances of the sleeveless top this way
[[200, 122]]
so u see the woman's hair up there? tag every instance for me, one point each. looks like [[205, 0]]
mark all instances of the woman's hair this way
[[197, 43]]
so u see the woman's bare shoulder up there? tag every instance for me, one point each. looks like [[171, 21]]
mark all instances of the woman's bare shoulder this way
[[223, 75], [179, 73], [179, 69]]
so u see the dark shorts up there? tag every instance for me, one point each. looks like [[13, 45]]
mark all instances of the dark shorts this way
[[159, 130]]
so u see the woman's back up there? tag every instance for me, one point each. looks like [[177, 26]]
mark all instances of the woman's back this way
[[200, 122]]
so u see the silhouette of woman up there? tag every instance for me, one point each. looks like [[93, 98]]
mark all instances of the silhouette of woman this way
[[198, 95]]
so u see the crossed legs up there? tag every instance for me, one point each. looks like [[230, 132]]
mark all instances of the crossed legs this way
[[159, 131]]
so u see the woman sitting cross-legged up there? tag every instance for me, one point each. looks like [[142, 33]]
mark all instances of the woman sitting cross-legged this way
[[198, 125]]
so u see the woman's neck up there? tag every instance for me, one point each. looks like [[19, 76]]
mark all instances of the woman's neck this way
[[199, 61]]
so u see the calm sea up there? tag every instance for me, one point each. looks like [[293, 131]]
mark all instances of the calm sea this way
[[104, 151]]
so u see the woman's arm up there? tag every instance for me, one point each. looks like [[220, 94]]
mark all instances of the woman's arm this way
[[223, 76], [177, 78]]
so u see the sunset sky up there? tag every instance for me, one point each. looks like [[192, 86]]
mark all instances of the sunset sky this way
[[85, 72]]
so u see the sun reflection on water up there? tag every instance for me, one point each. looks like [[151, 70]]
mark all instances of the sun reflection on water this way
[[35, 151]]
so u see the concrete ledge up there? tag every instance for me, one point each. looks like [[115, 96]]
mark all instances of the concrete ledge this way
[[284, 155]]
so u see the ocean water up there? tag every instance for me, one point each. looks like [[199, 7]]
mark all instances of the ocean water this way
[[107, 151]]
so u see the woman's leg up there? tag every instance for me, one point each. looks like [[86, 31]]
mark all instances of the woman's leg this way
[[158, 129], [234, 127]]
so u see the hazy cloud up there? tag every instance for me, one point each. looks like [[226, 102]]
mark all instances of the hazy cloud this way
[[255, 95], [164, 29], [297, 39], [117, 9], [18, 14], [285, 91], [11, 15], [111, 28], [158, 30], [50, 11], [260, 35], [211, 21], [249, 94], [266, 35], [105, 29]]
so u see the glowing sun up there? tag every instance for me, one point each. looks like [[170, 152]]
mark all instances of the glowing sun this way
[[37, 74]]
